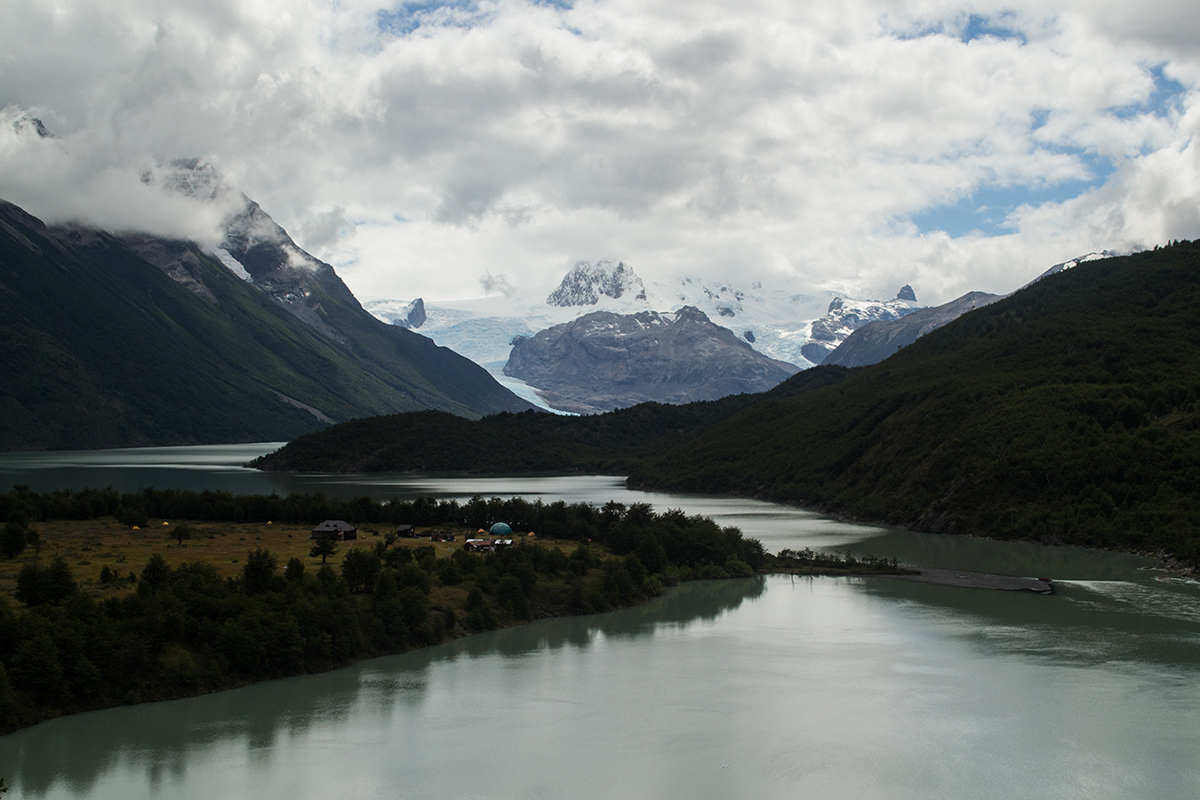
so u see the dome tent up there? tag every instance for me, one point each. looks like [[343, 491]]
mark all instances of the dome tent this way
[[500, 529]]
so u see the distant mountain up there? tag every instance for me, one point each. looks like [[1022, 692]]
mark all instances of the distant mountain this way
[[879, 339], [112, 341], [586, 283], [799, 328], [1067, 413], [603, 361], [843, 320]]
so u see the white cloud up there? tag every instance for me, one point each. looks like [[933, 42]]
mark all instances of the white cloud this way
[[784, 140]]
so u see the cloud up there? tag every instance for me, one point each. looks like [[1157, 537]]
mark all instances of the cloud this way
[[495, 284], [414, 145]]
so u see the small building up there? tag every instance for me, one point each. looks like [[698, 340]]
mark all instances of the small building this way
[[335, 529], [479, 546], [406, 532], [441, 536]]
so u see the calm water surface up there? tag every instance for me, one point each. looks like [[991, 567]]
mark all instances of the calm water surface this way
[[763, 688]]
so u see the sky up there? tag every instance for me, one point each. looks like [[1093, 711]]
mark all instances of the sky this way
[[451, 150]]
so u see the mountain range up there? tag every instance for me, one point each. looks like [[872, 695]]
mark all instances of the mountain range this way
[[1067, 412], [124, 340], [781, 327]]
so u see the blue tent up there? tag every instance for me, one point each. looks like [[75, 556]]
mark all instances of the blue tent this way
[[500, 529]]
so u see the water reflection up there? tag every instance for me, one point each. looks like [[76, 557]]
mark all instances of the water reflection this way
[[1084, 623], [162, 739]]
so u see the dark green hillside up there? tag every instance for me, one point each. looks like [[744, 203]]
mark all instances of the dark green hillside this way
[[1065, 413], [98, 348], [609, 443]]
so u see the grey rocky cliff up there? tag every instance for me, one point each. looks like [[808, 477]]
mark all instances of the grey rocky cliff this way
[[876, 341], [604, 360]]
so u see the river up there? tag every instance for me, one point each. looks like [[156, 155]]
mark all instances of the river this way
[[764, 687]]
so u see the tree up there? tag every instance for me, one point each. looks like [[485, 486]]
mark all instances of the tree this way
[[31, 585], [323, 547], [13, 539], [360, 568], [258, 570], [154, 574], [60, 583], [181, 532], [294, 570]]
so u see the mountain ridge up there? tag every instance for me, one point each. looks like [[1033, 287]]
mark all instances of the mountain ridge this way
[[104, 349]]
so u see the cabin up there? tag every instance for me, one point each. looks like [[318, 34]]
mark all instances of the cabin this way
[[406, 532], [335, 529]]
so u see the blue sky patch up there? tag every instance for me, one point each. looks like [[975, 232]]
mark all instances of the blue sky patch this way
[[980, 27], [1166, 96], [406, 17], [987, 208], [977, 27]]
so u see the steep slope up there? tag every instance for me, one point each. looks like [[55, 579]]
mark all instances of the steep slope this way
[[103, 349], [1066, 412], [603, 361], [877, 340]]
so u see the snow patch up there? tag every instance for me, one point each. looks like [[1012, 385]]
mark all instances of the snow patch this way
[[233, 265]]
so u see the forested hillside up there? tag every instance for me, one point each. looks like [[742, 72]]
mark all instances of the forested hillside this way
[[1064, 413], [101, 348], [610, 443]]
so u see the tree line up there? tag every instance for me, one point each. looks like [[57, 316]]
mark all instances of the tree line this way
[[172, 630]]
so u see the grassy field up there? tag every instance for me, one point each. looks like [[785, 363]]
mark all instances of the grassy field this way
[[88, 546]]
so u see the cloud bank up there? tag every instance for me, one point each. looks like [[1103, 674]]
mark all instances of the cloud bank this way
[[424, 148]]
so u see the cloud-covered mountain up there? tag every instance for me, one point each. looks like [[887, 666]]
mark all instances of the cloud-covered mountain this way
[[113, 341]]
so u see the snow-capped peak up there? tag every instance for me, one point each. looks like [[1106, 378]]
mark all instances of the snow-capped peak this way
[[1074, 262], [588, 281]]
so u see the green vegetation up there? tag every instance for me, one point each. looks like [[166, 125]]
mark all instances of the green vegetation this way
[[528, 442], [1066, 413], [179, 627], [98, 348], [811, 562]]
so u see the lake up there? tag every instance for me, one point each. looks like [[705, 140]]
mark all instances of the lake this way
[[765, 687]]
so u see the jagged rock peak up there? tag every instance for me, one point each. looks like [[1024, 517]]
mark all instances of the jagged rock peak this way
[[29, 121], [587, 281], [906, 293], [835, 304]]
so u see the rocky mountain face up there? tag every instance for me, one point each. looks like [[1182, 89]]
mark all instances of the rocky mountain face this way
[[587, 282], [877, 340], [788, 326], [110, 341], [605, 360], [843, 319], [255, 248]]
